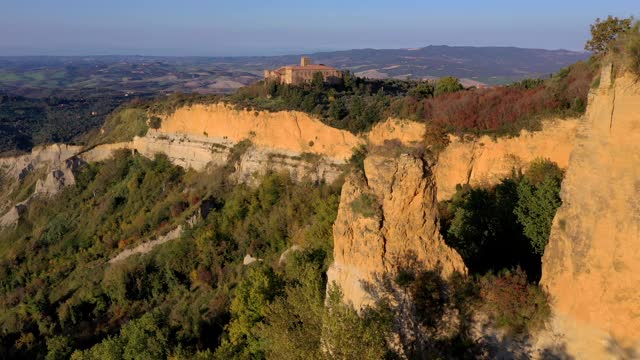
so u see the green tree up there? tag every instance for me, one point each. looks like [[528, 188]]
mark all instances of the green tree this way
[[59, 348], [447, 84], [145, 338], [423, 90], [248, 308], [338, 109], [536, 208], [317, 82], [292, 327], [604, 32], [349, 335]]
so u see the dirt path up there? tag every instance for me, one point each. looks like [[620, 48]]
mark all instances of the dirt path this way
[[148, 246]]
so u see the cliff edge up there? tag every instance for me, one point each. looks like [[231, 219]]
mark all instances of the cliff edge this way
[[591, 266]]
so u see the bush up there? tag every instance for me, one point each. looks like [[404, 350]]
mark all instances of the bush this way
[[512, 303], [447, 85], [357, 159], [155, 122], [366, 205]]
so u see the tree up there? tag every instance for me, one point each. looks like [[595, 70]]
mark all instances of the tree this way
[[58, 348], [317, 81], [248, 308], [292, 327], [605, 32], [338, 110], [349, 335], [423, 90], [447, 84], [536, 208]]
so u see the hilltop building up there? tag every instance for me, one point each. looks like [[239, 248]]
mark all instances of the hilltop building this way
[[295, 75]]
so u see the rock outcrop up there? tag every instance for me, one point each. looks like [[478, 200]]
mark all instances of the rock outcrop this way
[[387, 219], [53, 164], [591, 266]]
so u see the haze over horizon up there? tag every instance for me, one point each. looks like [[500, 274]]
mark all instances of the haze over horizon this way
[[250, 27]]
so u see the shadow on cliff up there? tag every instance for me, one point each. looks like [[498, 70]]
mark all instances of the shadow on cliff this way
[[436, 316]]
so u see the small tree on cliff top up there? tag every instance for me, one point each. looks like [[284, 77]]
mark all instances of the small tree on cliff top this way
[[604, 32]]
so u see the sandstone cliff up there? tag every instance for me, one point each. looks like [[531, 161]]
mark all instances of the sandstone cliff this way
[[591, 266], [386, 218], [199, 135], [484, 160], [291, 131]]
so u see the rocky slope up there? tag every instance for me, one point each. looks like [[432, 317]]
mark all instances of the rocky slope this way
[[591, 266], [387, 220], [44, 171]]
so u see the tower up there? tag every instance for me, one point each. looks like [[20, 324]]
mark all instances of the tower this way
[[305, 60]]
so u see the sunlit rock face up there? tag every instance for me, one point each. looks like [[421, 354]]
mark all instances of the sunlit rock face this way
[[387, 220], [591, 266]]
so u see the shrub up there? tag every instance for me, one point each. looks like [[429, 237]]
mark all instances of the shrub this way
[[512, 303], [446, 85], [357, 159], [366, 205], [155, 122]]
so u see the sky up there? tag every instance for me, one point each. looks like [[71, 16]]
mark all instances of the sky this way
[[254, 27]]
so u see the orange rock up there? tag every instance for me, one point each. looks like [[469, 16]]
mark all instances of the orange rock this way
[[591, 266]]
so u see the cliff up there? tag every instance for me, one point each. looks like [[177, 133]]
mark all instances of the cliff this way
[[291, 131], [484, 160], [591, 266], [46, 170], [387, 219], [199, 135]]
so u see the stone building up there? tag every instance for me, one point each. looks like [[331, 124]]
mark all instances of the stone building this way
[[295, 75]]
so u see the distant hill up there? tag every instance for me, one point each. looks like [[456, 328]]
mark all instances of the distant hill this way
[[491, 65], [32, 75]]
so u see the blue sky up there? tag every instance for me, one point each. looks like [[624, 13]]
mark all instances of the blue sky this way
[[252, 27]]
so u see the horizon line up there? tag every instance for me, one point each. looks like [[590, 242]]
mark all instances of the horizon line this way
[[287, 53]]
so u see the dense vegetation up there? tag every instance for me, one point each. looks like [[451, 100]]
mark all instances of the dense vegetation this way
[[513, 217], [58, 293], [66, 117]]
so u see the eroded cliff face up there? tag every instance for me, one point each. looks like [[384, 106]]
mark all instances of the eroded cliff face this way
[[485, 161], [47, 168], [591, 266], [387, 220], [196, 137], [199, 135], [291, 131]]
